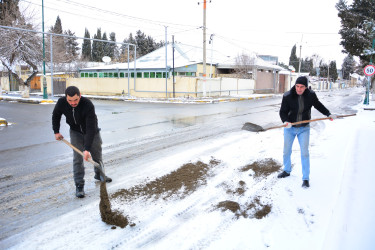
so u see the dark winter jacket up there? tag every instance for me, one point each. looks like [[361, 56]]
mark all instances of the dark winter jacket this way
[[296, 108], [81, 118]]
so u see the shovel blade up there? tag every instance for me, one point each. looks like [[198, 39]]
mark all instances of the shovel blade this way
[[252, 127], [100, 167]]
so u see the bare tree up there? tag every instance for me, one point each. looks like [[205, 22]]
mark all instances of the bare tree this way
[[244, 66], [18, 47]]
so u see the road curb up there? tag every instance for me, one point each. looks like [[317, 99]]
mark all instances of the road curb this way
[[155, 100]]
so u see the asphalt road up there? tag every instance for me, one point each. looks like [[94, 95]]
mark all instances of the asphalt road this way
[[36, 171]]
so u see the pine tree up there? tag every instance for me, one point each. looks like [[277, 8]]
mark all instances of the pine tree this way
[[333, 71], [58, 45], [86, 47], [71, 46], [293, 59], [97, 47], [105, 45], [356, 22], [348, 67], [124, 49], [113, 51]]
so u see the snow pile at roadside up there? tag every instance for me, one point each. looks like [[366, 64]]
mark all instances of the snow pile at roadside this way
[[334, 213]]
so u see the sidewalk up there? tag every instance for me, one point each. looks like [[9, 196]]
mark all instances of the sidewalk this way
[[37, 98]]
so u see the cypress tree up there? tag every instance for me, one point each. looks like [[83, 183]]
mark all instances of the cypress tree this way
[[86, 47]]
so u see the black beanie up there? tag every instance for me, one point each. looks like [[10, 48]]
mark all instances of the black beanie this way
[[302, 80]]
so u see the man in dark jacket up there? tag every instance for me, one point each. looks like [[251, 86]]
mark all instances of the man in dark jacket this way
[[84, 133], [296, 106]]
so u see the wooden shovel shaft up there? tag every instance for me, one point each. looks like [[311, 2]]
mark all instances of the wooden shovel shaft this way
[[313, 120], [80, 152]]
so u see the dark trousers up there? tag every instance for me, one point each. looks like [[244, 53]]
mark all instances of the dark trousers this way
[[77, 139]]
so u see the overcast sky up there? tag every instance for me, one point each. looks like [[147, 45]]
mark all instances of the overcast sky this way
[[270, 27]]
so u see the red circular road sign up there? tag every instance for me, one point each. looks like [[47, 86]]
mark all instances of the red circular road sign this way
[[369, 70]]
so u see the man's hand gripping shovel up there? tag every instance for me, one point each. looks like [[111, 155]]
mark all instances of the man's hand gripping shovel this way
[[98, 166]]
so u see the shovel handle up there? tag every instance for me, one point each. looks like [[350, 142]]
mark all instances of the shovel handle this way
[[319, 119], [313, 120], [80, 152]]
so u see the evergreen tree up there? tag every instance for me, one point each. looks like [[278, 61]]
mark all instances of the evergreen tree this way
[[112, 50], [58, 41], [142, 45], [357, 27], [86, 47], [97, 47], [293, 59], [105, 45], [323, 70], [58, 44], [348, 67], [333, 71], [124, 49], [71, 46]]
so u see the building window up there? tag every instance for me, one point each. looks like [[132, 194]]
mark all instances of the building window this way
[[132, 74], [146, 74], [86, 74], [101, 74], [110, 74], [122, 74], [82, 74], [115, 74], [95, 74], [152, 75], [159, 75], [105, 74], [139, 74], [91, 74]]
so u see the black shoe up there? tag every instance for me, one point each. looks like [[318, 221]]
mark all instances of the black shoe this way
[[99, 178], [283, 175], [79, 191], [305, 184]]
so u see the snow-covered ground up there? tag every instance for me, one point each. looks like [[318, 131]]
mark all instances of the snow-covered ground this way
[[336, 212]]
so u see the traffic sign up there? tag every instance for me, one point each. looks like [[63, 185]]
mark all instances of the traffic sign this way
[[369, 70]]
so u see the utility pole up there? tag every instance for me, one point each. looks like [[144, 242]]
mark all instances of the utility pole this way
[[166, 63], [45, 96], [212, 45], [174, 96], [328, 75], [300, 56], [204, 48]]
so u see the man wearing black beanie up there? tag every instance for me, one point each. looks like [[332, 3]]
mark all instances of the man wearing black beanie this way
[[296, 106]]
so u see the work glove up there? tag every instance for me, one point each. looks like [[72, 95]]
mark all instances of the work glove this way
[[287, 124], [332, 117]]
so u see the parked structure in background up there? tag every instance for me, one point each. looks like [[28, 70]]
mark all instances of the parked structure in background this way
[[149, 77]]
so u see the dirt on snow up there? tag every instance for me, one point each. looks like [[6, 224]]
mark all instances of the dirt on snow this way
[[184, 181]]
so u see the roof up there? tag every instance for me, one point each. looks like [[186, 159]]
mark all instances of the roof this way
[[184, 55], [258, 62]]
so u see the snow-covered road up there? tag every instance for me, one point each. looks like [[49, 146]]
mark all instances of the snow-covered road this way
[[334, 213]]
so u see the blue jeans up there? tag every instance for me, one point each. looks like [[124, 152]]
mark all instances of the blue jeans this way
[[77, 139], [303, 135]]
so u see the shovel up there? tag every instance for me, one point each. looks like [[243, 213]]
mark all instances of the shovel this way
[[256, 128], [96, 165]]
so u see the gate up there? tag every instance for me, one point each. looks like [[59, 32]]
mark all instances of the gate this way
[[59, 85]]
